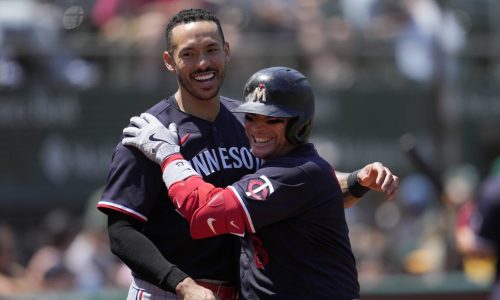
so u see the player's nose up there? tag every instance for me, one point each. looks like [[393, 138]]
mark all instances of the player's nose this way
[[203, 61], [258, 127]]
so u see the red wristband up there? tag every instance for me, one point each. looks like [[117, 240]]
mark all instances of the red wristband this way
[[170, 159]]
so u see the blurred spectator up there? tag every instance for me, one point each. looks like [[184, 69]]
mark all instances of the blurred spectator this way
[[460, 188], [89, 256], [36, 25], [460, 184], [478, 232], [430, 37], [418, 241], [369, 245], [137, 27], [47, 266], [12, 273]]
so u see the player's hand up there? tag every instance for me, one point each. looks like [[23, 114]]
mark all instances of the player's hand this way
[[149, 135], [379, 178], [189, 290]]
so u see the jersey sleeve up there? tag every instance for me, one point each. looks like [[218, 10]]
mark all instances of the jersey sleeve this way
[[133, 182], [274, 194], [270, 195], [256, 200]]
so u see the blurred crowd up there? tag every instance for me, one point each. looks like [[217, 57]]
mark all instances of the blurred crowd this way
[[85, 43], [71, 253], [81, 44]]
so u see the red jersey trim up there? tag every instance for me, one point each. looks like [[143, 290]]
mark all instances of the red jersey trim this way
[[122, 209]]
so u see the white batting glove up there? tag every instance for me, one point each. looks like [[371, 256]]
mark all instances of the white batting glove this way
[[153, 139], [159, 143]]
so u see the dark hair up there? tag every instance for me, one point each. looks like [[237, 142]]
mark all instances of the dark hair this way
[[187, 16]]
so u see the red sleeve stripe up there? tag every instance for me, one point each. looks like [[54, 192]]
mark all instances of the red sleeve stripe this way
[[122, 209], [248, 219]]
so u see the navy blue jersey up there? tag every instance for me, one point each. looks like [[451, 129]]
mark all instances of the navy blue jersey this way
[[219, 151], [299, 248]]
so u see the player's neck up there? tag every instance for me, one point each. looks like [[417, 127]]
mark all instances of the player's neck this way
[[203, 109]]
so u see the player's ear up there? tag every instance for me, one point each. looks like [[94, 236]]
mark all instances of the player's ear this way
[[227, 51], [168, 61]]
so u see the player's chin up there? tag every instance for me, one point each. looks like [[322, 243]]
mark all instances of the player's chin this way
[[260, 155], [261, 152], [208, 92]]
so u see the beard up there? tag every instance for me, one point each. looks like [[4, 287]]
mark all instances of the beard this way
[[197, 93]]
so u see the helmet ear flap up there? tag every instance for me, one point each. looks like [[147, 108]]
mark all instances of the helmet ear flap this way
[[297, 132]]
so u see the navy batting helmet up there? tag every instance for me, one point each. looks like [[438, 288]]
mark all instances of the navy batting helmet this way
[[281, 92]]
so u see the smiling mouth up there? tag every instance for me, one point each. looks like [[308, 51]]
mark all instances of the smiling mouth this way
[[260, 140], [204, 77]]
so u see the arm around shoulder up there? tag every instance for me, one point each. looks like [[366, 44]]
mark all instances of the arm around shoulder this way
[[374, 176]]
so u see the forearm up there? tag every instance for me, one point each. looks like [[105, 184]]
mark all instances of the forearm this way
[[189, 194], [201, 203], [342, 178], [210, 211], [140, 254], [344, 182]]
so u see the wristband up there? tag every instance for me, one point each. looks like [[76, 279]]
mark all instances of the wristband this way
[[175, 168], [354, 187], [169, 159]]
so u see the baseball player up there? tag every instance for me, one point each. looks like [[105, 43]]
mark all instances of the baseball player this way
[[289, 212], [145, 230]]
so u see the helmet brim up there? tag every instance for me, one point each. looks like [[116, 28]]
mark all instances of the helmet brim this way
[[265, 110]]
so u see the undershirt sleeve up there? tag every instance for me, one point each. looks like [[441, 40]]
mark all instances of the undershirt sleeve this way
[[140, 254]]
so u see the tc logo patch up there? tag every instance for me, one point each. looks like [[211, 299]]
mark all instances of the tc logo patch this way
[[259, 188]]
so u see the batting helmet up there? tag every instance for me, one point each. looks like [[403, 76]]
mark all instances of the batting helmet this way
[[281, 92]]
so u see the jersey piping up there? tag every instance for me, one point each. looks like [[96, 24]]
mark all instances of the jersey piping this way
[[242, 204], [123, 209]]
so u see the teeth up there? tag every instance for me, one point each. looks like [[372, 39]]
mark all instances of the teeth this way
[[204, 77], [262, 140]]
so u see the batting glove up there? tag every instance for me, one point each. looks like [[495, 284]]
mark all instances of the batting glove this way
[[149, 135], [159, 144]]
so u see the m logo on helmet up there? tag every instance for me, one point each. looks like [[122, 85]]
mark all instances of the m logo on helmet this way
[[258, 95]]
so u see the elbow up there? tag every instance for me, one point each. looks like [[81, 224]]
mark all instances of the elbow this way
[[114, 244]]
